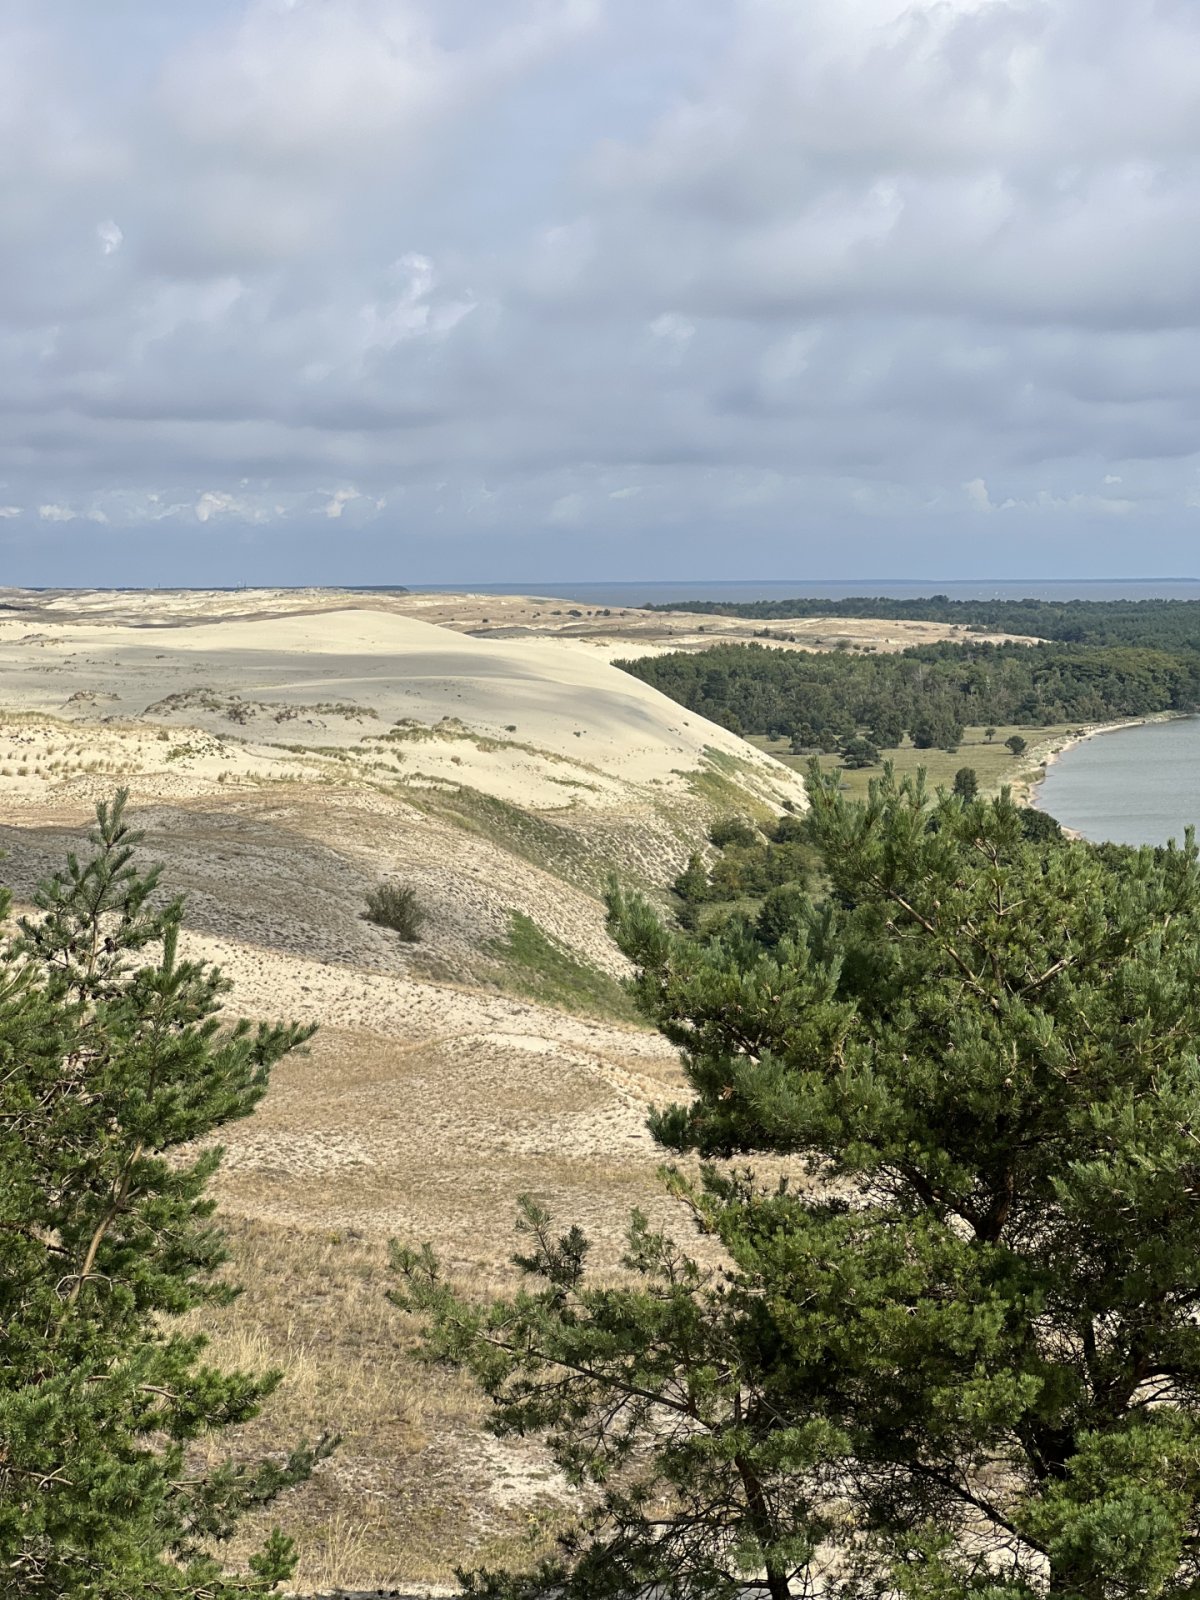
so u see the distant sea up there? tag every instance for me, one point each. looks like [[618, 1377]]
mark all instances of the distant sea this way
[[636, 594]]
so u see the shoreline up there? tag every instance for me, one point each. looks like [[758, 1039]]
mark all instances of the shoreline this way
[[1027, 788]]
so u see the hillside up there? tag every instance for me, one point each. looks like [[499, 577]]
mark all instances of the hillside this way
[[282, 763]]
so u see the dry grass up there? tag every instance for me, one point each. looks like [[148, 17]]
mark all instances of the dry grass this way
[[412, 1487], [361, 1141]]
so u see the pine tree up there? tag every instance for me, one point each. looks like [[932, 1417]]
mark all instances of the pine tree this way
[[112, 1066], [958, 1352], [858, 752], [966, 783], [692, 883]]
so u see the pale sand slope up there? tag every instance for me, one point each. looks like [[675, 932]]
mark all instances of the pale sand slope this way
[[609, 630], [340, 679], [271, 779]]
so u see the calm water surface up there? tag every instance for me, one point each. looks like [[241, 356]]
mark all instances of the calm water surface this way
[[637, 592], [1134, 786]]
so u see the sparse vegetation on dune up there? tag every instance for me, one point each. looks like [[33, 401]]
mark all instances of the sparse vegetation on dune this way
[[414, 1482], [531, 962], [498, 1055], [396, 906]]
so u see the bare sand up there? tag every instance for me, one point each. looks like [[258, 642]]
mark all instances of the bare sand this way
[[539, 723]]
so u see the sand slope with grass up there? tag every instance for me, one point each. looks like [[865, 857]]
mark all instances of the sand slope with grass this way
[[285, 754], [539, 722]]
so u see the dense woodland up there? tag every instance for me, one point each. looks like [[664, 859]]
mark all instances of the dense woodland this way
[[818, 700], [1153, 624]]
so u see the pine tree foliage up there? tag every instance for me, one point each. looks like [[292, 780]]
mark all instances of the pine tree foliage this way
[[113, 1061], [958, 1353]]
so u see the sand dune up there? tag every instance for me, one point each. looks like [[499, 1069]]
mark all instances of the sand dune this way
[[345, 678], [284, 754]]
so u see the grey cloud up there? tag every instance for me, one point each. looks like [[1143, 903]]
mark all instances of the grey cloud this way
[[384, 289]]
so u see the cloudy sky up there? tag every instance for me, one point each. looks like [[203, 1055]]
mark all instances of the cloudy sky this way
[[424, 290]]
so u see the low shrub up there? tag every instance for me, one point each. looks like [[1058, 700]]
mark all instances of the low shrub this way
[[732, 830], [395, 906]]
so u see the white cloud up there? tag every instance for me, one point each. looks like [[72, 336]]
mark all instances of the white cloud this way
[[306, 80], [673, 328], [339, 500], [219, 503], [110, 236], [56, 513], [977, 494], [8, 512], [1046, 500], [411, 310]]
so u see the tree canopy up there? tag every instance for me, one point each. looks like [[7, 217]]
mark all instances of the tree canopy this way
[[114, 1061], [948, 1345], [818, 699], [1154, 623]]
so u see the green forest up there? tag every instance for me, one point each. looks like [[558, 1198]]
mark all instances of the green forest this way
[[820, 699], [1160, 624]]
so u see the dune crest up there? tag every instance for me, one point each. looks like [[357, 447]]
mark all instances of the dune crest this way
[[541, 722]]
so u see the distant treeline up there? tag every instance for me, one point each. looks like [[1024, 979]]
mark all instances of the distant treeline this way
[[1152, 624], [820, 699]]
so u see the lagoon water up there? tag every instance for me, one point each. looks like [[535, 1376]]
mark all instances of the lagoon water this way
[[1134, 786]]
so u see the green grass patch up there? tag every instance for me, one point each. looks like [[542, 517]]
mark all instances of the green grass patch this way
[[536, 965], [536, 838], [724, 782], [994, 765]]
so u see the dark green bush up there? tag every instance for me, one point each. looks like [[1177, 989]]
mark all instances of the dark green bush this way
[[1039, 827], [732, 830], [395, 906], [859, 753], [692, 883]]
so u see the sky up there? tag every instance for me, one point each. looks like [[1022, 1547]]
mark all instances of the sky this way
[[413, 291]]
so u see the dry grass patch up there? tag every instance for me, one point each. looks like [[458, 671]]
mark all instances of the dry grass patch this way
[[363, 1140], [413, 1486]]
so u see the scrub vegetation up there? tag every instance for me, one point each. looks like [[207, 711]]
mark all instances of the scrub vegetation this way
[[948, 1345]]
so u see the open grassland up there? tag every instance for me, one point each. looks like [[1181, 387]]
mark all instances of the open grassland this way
[[994, 765]]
